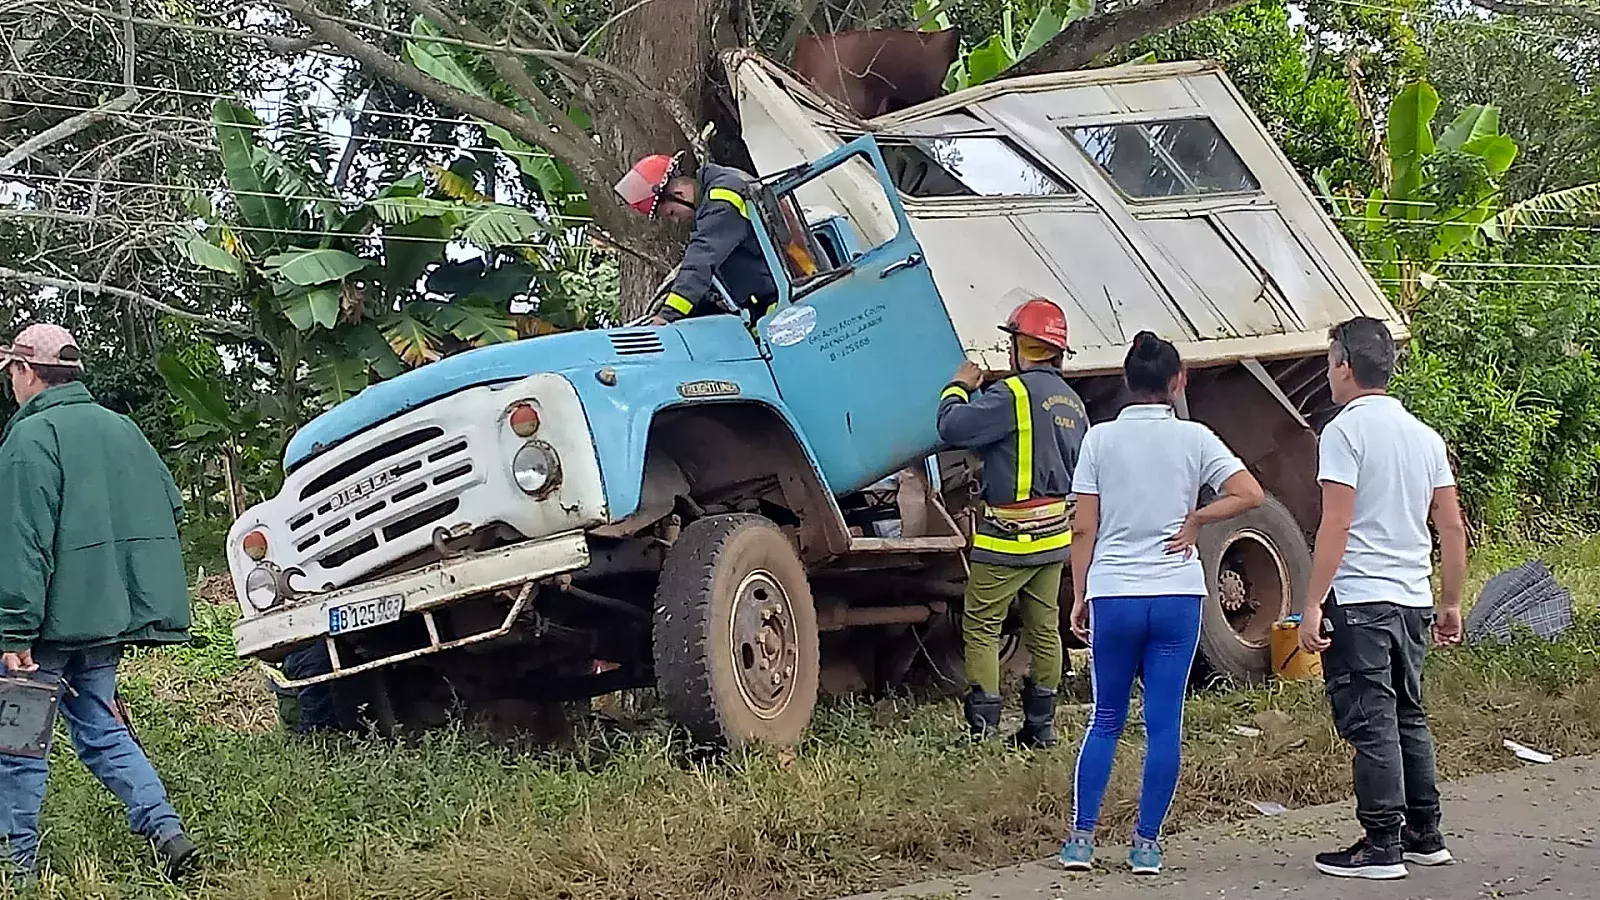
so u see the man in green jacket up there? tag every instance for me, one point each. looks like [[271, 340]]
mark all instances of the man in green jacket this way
[[89, 564]]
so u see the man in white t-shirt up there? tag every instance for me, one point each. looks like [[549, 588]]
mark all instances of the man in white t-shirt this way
[[1384, 475]]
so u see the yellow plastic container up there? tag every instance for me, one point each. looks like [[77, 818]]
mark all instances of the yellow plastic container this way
[[1289, 662]]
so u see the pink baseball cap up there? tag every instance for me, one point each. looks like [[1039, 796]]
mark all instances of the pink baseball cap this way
[[44, 345]]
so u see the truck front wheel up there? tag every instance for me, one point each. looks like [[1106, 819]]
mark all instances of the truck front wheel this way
[[1257, 568], [735, 638]]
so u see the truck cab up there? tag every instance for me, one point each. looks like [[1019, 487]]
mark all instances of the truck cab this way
[[702, 507]]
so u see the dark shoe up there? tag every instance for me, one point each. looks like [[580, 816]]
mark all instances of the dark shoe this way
[[179, 856], [983, 713], [1038, 718], [1364, 860], [1425, 848]]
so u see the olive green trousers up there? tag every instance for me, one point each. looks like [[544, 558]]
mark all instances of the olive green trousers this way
[[990, 592]]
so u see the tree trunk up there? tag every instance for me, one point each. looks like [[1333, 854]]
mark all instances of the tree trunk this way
[[671, 44]]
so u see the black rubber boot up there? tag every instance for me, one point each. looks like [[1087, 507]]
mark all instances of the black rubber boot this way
[[1038, 717], [983, 713], [179, 856]]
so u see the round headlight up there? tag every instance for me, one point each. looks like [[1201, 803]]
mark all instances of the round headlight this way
[[261, 588], [535, 468]]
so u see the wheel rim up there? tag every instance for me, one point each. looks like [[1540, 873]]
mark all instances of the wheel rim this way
[[763, 644], [1253, 587]]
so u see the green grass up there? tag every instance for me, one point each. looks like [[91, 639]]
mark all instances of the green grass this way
[[879, 794]]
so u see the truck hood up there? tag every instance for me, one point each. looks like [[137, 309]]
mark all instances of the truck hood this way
[[486, 365]]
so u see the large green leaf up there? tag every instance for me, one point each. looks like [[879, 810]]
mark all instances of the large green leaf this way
[[317, 266], [203, 397], [1410, 138], [1475, 121], [207, 255], [438, 60], [405, 210], [368, 344], [988, 60], [1554, 205], [411, 336], [1498, 152], [473, 322], [496, 225], [267, 214], [337, 379], [318, 306], [472, 278], [931, 15], [1047, 25]]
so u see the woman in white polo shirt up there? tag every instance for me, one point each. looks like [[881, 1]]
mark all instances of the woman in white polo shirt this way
[[1134, 565]]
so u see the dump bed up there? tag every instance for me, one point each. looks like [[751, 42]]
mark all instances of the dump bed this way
[[1139, 197]]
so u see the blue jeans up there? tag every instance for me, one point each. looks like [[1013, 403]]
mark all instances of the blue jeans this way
[[104, 744], [1154, 638]]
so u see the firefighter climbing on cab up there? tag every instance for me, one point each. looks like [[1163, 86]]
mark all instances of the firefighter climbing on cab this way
[[1027, 428], [718, 200]]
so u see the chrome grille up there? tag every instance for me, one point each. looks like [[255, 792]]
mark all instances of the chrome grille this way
[[381, 495]]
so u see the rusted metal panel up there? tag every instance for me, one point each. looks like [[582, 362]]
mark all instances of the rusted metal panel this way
[[879, 71]]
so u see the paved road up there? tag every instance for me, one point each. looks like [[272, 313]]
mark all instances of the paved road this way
[[1532, 834]]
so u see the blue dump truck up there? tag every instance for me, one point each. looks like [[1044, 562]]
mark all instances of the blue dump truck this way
[[746, 515]]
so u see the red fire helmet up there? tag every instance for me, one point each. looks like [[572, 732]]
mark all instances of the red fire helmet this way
[[641, 188], [1041, 320]]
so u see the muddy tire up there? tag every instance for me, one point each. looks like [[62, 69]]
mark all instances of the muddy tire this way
[[735, 638], [1257, 568]]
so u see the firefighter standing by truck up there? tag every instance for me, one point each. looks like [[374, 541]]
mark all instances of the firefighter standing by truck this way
[[1027, 429], [717, 200]]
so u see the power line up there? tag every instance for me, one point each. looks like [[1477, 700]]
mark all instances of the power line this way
[[279, 129], [1517, 227], [90, 182], [275, 103], [190, 226], [1558, 281]]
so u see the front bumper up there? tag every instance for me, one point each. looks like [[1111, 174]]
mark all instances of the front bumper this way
[[424, 589]]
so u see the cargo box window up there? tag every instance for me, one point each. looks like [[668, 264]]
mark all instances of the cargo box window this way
[[966, 166], [1171, 158]]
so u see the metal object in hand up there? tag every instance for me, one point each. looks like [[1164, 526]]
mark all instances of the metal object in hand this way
[[28, 715]]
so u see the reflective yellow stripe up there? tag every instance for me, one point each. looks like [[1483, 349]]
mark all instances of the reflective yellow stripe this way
[[1022, 544], [680, 303], [955, 390], [730, 196], [1019, 393]]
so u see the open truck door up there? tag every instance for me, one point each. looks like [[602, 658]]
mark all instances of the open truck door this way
[[860, 342]]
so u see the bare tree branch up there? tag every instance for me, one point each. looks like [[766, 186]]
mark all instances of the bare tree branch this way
[[1079, 43], [580, 156], [67, 128], [483, 44], [96, 290], [510, 69]]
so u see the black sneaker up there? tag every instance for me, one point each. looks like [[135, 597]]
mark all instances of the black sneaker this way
[[1425, 848], [179, 856], [1364, 861]]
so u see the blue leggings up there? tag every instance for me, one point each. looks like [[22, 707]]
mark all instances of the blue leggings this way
[[1153, 637]]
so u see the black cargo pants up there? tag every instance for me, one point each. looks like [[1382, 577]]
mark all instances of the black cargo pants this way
[[1374, 679]]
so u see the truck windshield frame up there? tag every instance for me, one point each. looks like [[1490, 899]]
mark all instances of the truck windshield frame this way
[[1178, 157]]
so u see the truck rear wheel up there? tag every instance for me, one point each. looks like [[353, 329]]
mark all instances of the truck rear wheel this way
[[737, 657], [1257, 568]]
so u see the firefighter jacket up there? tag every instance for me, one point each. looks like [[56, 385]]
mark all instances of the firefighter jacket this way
[[1027, 429], [723, 244]]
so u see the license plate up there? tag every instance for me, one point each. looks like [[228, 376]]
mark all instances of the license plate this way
[[364, 614]]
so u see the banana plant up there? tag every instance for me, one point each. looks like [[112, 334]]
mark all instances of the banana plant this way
[[1443, 195], [1003, 49], [338, 287]]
